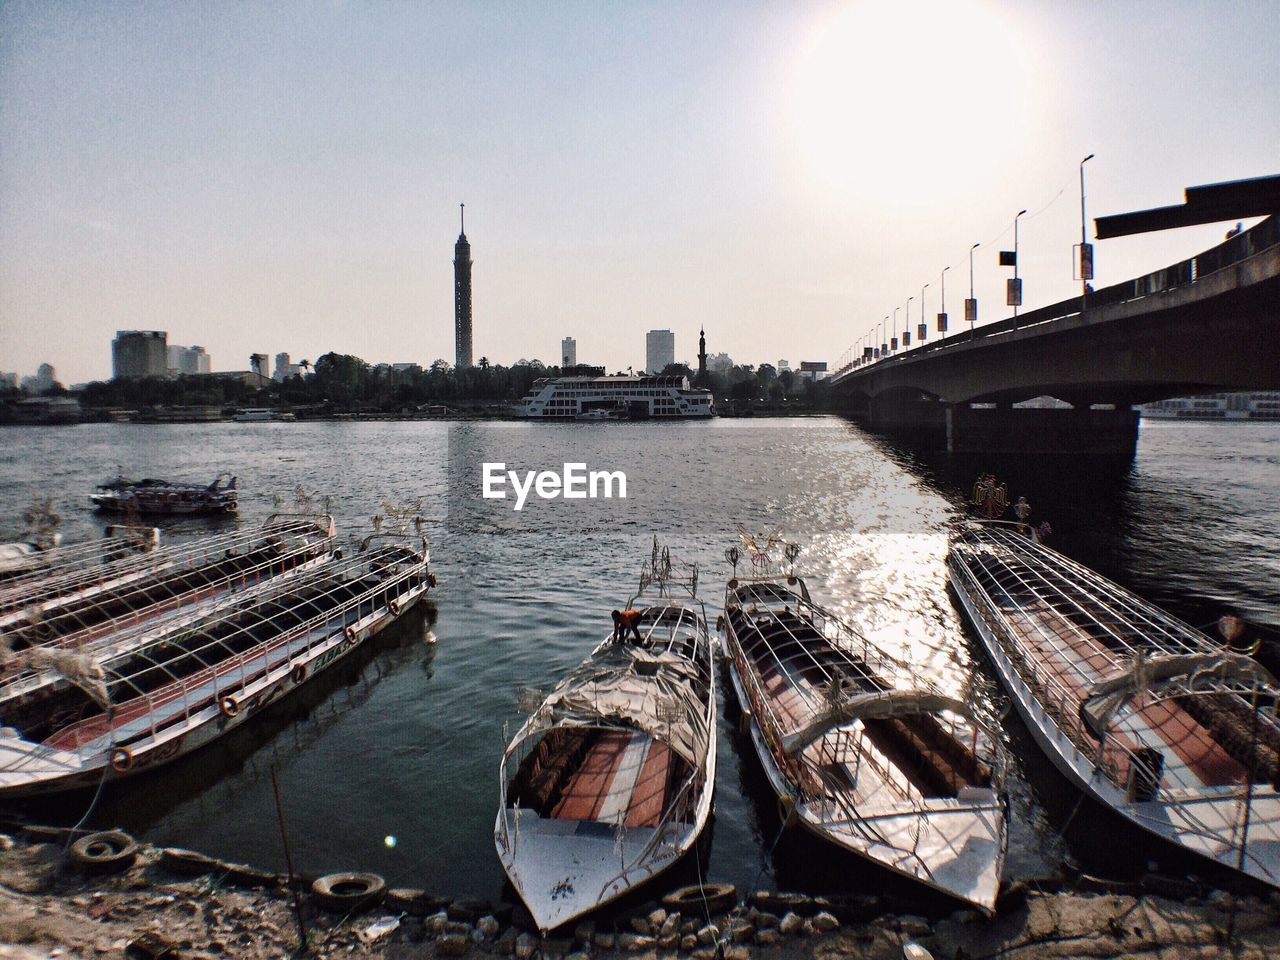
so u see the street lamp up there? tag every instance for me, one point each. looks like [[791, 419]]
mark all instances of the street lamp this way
[[884, 346], [942, 310], [971, 305], [1086, 263], [922, 329], [1016, 283]]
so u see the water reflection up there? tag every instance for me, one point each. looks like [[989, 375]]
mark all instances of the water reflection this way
[[523, 596]]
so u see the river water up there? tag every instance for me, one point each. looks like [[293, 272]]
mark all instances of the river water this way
[[390, 763]]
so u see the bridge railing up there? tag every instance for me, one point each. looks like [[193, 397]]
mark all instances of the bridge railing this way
[[1243, 245]]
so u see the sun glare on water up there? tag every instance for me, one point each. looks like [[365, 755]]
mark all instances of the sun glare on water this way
[[889, 98]]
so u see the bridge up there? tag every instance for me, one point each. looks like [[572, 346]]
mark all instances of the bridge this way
[[1204, 325]]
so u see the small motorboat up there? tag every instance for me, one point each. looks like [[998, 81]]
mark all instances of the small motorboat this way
[[1175, 731], [152, 496], [115, 710], [609, 782], [859, 748]]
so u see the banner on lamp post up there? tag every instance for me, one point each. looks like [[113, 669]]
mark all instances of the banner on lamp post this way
[[942, 323], [1013, 292], [971, 310]]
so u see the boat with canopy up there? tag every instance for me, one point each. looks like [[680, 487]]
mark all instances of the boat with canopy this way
[[858, 747], [609, 781], [1174, 730], [71, 717]]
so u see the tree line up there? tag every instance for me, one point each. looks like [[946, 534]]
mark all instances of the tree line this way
[[342, 382]]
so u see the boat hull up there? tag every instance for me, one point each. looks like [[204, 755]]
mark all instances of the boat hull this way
[[974, 878]]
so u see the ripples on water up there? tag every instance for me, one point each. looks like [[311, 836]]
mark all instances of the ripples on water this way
[[406, 743]]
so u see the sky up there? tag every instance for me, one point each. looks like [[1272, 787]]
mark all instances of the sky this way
[[265, 177]]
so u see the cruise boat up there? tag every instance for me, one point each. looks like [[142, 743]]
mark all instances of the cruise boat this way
[[638, 397], [609, 781], [1216, 406], [114, 712], [861, 750], [152, 496], [264, 415], [1174, 731]]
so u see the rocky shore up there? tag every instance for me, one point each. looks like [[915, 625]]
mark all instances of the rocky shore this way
[[178, 905]]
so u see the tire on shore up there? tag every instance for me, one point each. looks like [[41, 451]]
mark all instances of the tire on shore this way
[[348, 892], [186, 862], [108, 851], [719, 897]]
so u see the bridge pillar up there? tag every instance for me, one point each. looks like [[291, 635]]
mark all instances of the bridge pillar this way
[[1111, 433]]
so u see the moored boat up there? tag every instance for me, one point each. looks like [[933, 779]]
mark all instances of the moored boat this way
[[1174, 731], [859, 750], [114, 712], [609, 782], [154, 496], [126, 579]]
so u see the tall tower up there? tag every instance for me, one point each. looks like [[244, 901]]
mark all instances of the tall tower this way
[[462, 294], [702, 356]]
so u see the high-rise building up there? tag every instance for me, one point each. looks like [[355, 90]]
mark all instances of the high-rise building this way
[[568, 352], [139, 353], [660, 350], [284, 369], [186, 361], [462, 295]]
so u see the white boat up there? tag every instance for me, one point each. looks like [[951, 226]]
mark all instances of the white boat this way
[[609, 782], [641, 397], [128, 578], [117, 713], [1143, 713], [859, 749], [264, 415]]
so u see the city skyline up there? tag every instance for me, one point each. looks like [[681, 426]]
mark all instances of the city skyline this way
[[786, 176]]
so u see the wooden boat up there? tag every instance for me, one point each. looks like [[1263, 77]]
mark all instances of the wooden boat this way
[[859, 750], [1140, 711], [609, 782], [115, 712], [153, 497]]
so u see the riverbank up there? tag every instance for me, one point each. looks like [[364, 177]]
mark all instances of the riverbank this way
[[50, 907]]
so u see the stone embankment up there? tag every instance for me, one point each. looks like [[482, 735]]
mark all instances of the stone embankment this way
[[163, 904]]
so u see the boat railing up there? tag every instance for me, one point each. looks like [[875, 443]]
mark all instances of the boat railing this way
[[99, 580], [1054, 697], [133, 629], [226, 663]]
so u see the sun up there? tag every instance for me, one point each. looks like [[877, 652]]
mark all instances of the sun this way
[[895, 98]]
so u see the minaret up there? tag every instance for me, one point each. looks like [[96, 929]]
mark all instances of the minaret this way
[[462, 294], [702, 356]]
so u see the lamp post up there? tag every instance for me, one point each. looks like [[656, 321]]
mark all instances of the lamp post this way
[[893, 339], [922, 329], [971, 307], [942, 308], [884, 345], [1084, 240], [1015, 269]]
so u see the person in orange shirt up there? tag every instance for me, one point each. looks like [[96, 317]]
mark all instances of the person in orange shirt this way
[[627, 620]]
